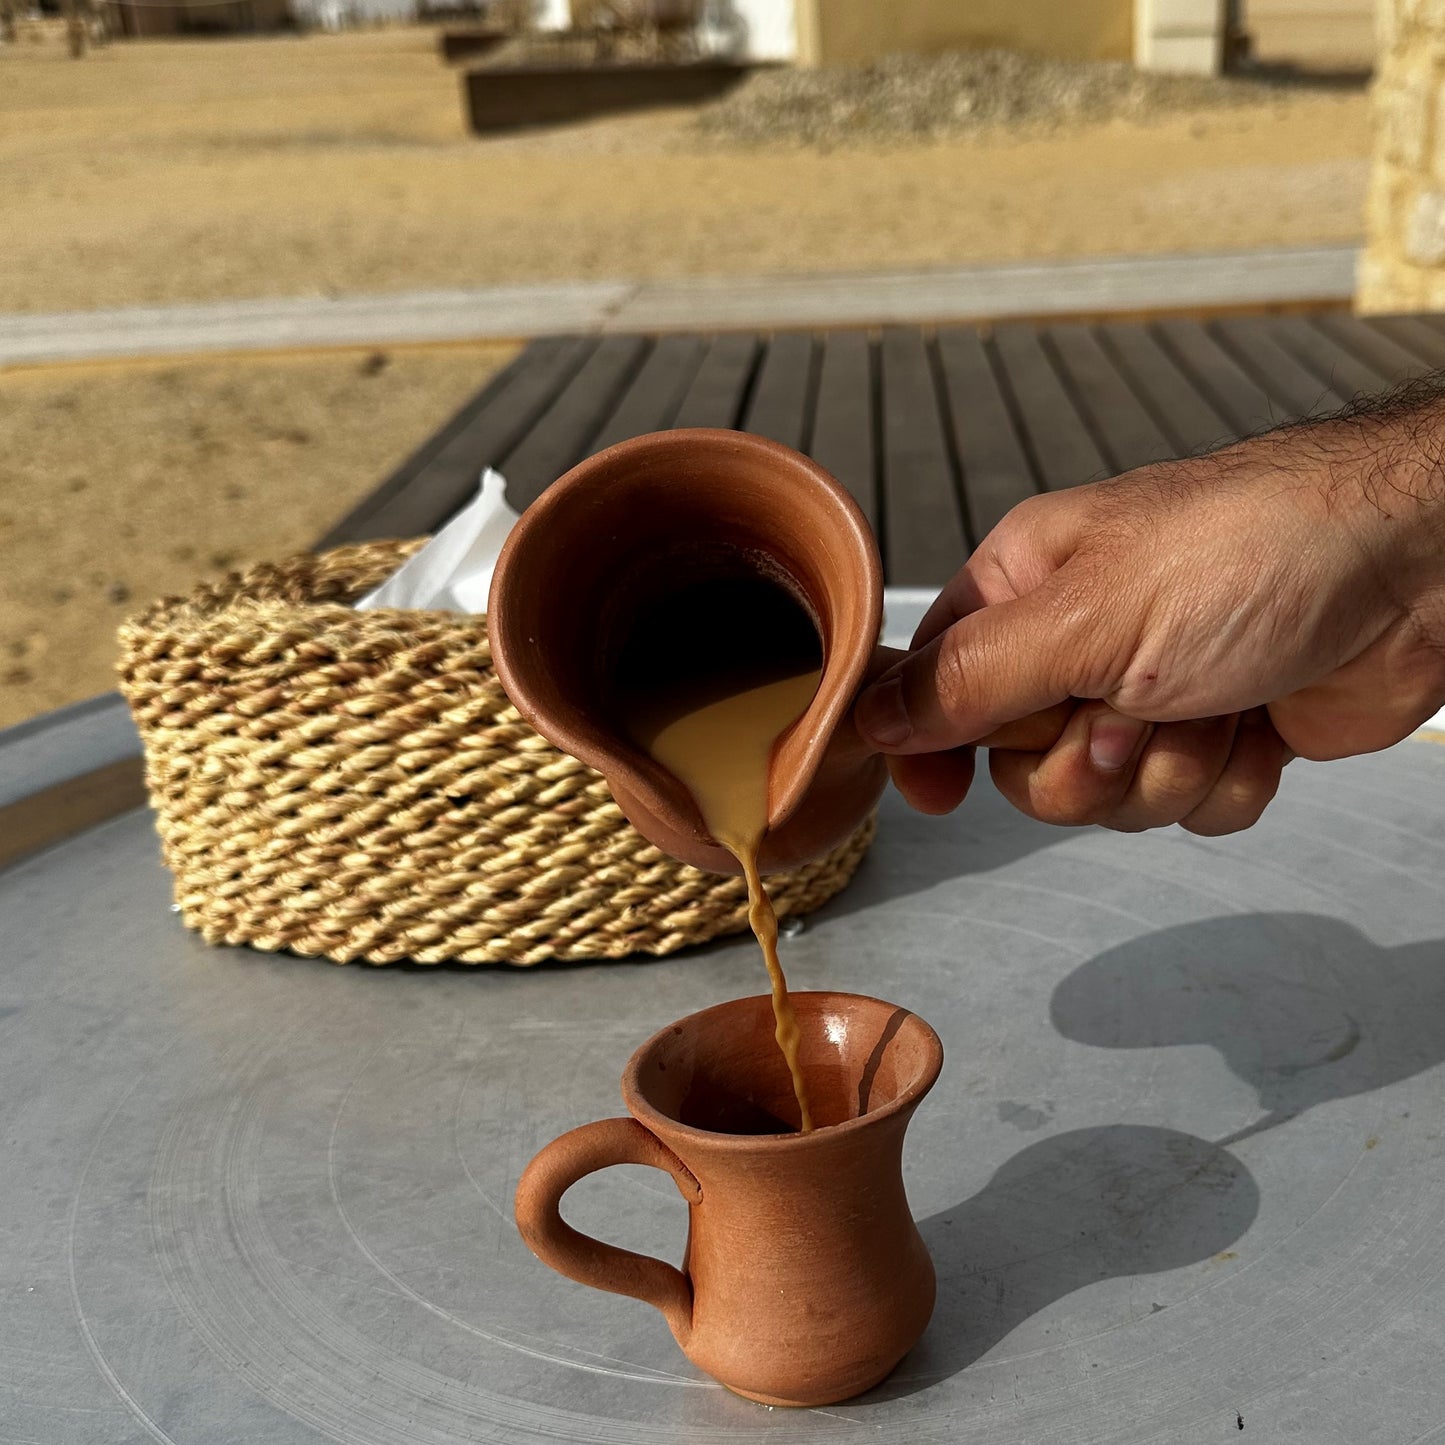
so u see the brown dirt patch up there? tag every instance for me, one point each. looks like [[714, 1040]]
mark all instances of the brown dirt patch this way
[[338, 164], [122, 484]]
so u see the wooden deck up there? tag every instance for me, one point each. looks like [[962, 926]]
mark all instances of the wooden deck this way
[[936, 432]]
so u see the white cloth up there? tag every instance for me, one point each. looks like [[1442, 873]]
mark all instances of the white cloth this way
[[453, 572]]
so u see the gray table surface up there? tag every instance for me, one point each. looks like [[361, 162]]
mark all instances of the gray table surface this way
[[1185, 1165]]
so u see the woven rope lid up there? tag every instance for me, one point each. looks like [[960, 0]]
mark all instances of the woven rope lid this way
[[356, 785]]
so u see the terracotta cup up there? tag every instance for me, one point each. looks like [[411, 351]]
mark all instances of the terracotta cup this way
[[642, 535], [805, 1280]]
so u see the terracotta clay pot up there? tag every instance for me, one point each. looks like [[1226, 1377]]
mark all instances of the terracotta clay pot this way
[[805, 1280], [642, 530]]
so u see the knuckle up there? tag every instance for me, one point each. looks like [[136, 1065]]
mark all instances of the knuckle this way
[[1232, 807], [954, 669], [1179, 771], [1026, 783], [1023, 515], [1067, 806]]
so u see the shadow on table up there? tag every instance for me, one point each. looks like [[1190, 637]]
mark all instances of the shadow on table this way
[[1067, 1212], [1303, 1008], [915, 853]]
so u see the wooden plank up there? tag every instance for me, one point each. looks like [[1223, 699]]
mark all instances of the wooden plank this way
[[779, 405], [1189, 418], [1411, 333], [1346, 374], [1230, 389], [1128, 435], [1431, 321], [844, 440], [991, 456], [924, 542], [651, 401], [1063, 452], [716, 395], [443, 473], [1252, 341], [560, 437], [1390, 360], [64, 809]]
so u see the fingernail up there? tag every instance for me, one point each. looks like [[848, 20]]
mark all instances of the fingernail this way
[[1114, 739], [882, 716]]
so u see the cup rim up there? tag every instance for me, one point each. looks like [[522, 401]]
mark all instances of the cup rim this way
[[646, 1113]]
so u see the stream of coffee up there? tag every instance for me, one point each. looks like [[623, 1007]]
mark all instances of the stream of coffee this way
[[712, 721], [719, 748]]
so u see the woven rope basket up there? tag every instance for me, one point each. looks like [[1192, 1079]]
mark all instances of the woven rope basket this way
[[356, 785]]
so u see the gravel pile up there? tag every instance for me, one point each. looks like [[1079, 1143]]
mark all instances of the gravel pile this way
[[908, 97]]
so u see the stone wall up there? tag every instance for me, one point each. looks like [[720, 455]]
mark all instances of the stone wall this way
[[1403, 268]]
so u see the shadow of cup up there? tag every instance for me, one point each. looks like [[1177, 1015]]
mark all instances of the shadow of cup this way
[[1063, 1215]]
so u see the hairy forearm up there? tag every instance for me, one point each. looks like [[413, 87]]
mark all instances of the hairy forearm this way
[[1395, 443], [1378, 469]]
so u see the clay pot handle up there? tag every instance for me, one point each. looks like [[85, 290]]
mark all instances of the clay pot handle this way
[[589, 1261]]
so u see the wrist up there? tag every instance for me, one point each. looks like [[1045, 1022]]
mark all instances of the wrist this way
[[1407, 497], [1383, 482]]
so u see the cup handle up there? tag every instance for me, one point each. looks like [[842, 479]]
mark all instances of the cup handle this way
[[589, 1261]]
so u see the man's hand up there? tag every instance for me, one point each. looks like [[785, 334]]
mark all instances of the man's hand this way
[[1190, 626]]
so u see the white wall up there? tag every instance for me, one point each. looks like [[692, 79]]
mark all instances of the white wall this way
[[766, 25], [1183, 36], [771, 32]]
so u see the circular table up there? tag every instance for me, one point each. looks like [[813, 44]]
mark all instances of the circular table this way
[[1183, 1175]]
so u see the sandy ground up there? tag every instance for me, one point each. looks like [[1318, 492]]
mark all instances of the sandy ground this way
[[121, 484], [191, 170], [188, 170]]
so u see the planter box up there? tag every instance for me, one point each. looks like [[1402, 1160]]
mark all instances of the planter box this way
[[509, 99], [468, 44]]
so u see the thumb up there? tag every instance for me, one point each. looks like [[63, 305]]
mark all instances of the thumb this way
[[992, 667]]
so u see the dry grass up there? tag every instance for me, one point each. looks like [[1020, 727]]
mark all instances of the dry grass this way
[[125, 483], [191, 170]]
